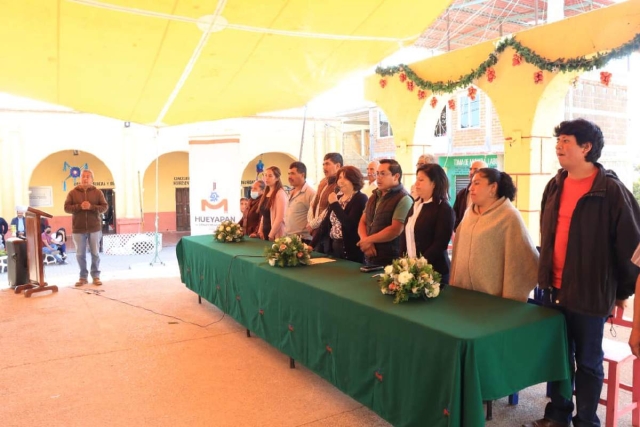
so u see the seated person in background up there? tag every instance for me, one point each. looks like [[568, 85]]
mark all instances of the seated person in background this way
[[60, 239], [4, 228], [429, 226], [493, 252], [48, 247], [20, 223]]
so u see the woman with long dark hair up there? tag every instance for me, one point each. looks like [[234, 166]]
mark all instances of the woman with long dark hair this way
[[272, 206], [492, 251], [429, 225]]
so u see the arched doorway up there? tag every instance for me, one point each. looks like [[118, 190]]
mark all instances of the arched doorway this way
[[173, 193]]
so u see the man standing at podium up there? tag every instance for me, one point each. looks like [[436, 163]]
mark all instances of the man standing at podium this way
[[86, 204]]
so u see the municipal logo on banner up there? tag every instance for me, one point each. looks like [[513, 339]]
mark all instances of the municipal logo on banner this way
[[214, 191]]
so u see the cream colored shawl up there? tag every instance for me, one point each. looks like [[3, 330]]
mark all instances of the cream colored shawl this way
[[493, 253]]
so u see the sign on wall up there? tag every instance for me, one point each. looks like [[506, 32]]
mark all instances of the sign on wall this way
[[213, 183], [40, 197], [459, 166]]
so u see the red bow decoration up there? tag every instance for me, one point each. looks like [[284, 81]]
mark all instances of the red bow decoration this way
[[605, 78], [410, 86], [471, 93], [422, 94], [517, 60], [452, 104], [433, 102], [383, 83], [402, 77], [491, 74], [538, 77]]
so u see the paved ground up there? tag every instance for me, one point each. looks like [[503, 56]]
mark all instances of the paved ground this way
[[113, 267]]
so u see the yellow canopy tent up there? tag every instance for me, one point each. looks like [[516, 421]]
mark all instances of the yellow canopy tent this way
[[166, 62]]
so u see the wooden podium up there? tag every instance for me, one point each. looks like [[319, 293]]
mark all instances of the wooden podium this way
[[35, 263]]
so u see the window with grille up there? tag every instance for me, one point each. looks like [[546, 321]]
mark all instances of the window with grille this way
[[384, 128], [441, 125]]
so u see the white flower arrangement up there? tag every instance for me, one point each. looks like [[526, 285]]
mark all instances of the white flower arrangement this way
[[228, 232], [410, 278], [288, 251]]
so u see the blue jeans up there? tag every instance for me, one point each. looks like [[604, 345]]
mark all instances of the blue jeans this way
[[93, 239], [585, 334], [53, 252]]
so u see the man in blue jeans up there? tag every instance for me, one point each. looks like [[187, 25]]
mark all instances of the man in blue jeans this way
[[590, 227], [86, 204]]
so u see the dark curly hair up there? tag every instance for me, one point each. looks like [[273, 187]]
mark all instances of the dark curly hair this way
[[584, 132], [506, 188]]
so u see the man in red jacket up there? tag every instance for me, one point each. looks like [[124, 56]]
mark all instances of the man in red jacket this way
[[86, 204]]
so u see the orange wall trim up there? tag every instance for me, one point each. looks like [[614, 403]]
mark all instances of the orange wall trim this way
[[166, 222]]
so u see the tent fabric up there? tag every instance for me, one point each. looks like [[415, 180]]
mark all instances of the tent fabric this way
[[167, 62]]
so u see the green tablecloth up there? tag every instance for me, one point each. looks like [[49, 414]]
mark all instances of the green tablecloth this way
[[422, 363]]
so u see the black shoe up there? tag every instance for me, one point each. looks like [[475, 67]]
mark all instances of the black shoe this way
[[545, 422]]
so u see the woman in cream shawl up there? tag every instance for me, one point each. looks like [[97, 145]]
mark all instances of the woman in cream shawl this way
[[492, 251]]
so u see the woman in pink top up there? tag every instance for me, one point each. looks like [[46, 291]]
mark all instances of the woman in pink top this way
[[272, 206]]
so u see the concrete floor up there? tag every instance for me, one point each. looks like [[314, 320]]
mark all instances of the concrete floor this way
[[140, 350]]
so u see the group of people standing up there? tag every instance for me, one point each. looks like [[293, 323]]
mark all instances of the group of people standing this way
[[589, 229]]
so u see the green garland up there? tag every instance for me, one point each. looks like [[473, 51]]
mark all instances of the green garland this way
[[561, 64]]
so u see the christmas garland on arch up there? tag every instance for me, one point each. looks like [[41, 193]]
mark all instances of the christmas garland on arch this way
[[523, 53]]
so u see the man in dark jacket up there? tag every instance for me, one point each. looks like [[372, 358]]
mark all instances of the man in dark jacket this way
[[460, 205], [4, 228], [384, 216], [590, 227], [86, 204]]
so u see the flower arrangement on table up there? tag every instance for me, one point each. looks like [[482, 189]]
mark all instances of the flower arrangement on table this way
[[228, 232], [288, 251], [410, 278]]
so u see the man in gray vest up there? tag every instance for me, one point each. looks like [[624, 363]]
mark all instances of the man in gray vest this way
[[382, 221]]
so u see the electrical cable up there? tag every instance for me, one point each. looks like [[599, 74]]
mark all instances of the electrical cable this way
[[100, 293]]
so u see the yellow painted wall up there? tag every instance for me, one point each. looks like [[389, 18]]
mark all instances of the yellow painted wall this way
[[50, 172], [172, 167]]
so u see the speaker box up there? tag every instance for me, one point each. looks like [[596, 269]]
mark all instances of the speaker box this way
[[17, 259]]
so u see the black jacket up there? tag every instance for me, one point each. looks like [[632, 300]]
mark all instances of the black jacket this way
[[603, 234], [432, 233], [349, 218], [460, 206]]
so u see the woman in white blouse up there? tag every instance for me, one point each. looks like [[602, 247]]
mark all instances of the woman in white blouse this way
[[429, 225]]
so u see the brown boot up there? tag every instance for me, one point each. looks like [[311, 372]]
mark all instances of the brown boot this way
[[81, 282], [97, 281]]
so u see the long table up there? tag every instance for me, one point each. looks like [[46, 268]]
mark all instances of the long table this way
[[421, 363]]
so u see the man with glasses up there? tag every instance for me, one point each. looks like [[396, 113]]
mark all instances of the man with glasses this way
[[462, 198], [382, 221]]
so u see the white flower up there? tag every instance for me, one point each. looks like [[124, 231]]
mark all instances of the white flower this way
[[404, 277], [274, 246], [272, 262], [221, 228], [219, 236], [229, 238], [414, 290], [383, 290], [288, 240], [388, 269], [404, 263], [228, 228]]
